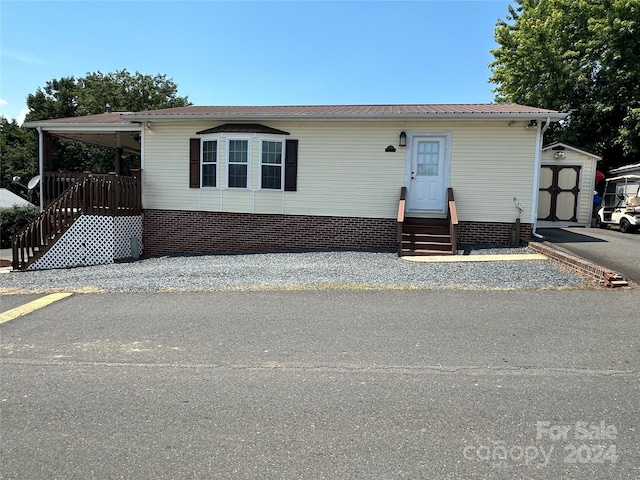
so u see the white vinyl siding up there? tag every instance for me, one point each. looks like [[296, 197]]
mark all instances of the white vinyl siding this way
[[491, 165], [343, 169]]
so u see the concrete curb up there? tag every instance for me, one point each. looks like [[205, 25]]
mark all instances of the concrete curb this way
[[560, 255], [475, 258]]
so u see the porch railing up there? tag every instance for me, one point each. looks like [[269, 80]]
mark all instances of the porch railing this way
[[109, 195], [55, 184]]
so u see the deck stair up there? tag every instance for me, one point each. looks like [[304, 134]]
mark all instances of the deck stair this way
[[87, 194], [427, 236]]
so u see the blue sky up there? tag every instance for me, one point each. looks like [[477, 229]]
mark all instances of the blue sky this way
[[260, 52]]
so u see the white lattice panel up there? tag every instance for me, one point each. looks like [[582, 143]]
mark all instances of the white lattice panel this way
[[125, 228], [89, 241], [92, 240]]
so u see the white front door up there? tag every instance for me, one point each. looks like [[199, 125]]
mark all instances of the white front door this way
[[427, 186]]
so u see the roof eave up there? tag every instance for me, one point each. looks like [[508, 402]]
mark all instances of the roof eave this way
[[93, 127], [572, 148], [553, 116]]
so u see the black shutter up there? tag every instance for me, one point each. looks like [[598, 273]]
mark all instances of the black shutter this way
[[194, 163], [291, 166]]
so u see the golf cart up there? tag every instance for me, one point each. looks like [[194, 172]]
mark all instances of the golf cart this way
[[621, 203]]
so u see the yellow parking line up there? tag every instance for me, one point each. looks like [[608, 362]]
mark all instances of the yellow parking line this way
[[32, 306]]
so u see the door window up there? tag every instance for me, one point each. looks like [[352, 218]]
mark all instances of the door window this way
[[427, 158]]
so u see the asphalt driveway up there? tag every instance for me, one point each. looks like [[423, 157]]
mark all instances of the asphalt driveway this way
[[608, 248], [351, 384]]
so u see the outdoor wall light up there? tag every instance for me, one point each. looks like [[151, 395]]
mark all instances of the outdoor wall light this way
[[558, 155], [390, 148], [532, 123], [403, 139]]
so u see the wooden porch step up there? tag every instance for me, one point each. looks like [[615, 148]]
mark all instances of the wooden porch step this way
[[426, 236], [424, 231], [426, 252], [426, 221], [427, 244]]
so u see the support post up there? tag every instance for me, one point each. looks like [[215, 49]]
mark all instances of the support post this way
[[118, 161]]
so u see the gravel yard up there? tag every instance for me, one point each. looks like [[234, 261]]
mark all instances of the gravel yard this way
[[306, 270]]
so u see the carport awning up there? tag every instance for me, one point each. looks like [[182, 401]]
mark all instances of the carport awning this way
[[127, 141], [107, 130]]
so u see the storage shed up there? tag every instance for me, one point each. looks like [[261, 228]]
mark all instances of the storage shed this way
[[566, 187]]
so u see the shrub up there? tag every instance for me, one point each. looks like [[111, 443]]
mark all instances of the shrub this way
[[13, 219]]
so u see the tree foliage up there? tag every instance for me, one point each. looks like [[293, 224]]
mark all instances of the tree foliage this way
[[13, 219], [580, 57], [121, 90], [18, 153]]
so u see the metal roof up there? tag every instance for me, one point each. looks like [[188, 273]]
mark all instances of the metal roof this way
[[128, 121], [102, 119], [8, 199], [346, 111], [131, 120]]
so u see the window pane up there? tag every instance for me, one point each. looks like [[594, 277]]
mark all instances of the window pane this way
[[271, 178], [237, 176], [209, 152], [209, 175], [272, 152], [238, 150], [427, 158]]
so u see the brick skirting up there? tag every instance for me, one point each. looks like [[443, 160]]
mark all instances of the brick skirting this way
[[490, 232], [179, 231]]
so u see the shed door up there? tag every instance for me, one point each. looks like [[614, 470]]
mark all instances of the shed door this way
[[427, 187], [558, 197]]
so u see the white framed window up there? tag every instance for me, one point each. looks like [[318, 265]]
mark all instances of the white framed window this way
[[271, 159], [209, 162], [238, 158]]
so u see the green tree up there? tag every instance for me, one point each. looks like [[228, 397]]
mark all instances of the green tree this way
[[127, 92], [13, 219], [123, 91], [58, 99], [580, 57], [71, 97], [18, 154]]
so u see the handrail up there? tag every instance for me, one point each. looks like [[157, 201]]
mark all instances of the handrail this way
[[109, 194], [30, 242], [401, 204], [55, 184], [452, 215], [400, 218]]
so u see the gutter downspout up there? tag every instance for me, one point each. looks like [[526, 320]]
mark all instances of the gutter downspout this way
[[41, 166], [536, 177], [143, 141]]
